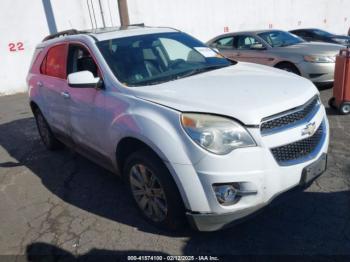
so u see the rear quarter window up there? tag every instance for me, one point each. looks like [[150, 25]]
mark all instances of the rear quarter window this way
[[35, 58], [54, 63]]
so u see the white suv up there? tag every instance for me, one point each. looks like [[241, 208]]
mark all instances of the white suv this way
[[192, 133]]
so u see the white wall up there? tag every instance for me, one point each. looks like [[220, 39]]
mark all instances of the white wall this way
[[207, 18], [26, 21]]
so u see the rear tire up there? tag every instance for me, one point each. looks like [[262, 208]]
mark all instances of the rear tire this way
[[154, 191], [344, 108], [288, 67], [47, 137]]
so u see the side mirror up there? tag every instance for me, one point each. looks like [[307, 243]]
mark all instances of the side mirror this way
[[84, 79]]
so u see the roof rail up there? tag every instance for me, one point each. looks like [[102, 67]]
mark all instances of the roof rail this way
[[140, 24], [62, 33], [130, 25]]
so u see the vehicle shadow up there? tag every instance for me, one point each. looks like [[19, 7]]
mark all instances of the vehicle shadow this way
[[44, 252], [307, 223], [322, 87], [71, 177]]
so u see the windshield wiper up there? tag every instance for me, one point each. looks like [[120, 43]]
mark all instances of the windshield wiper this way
[[200, 70], [178, 76]]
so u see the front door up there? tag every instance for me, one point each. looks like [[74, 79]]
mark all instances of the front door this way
[[250, 49], [86, 104]]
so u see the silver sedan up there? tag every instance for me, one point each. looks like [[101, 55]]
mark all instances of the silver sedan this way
[[280, 49]]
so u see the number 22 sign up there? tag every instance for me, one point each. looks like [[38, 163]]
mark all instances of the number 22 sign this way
[[14, 47]]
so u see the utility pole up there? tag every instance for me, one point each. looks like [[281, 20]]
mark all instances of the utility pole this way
[[123, 12], [103, 18]]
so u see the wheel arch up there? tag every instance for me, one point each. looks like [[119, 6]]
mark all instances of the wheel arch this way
[[130, 144], [288, 63], [33, 106]]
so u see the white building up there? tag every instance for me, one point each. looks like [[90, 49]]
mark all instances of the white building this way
[[25, 23]]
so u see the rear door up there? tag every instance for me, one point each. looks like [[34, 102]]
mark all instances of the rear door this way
[[225, 46], [52, 83]]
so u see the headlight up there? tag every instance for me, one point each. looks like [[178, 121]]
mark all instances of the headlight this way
[[216, 134], [319, 59]]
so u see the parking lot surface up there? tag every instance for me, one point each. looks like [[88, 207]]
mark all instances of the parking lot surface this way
[[59, 202]]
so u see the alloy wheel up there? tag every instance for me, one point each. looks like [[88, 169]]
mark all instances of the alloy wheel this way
[[148, 193]]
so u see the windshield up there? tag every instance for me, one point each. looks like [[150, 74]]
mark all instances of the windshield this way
[[280, 38], [322, 33], [156, 58]]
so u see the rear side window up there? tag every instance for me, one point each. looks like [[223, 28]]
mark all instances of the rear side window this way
[[226, 42], [54, 63]]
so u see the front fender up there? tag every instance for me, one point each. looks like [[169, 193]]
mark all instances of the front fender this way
[[159, 128]]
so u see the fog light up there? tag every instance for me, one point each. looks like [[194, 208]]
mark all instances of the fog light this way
[[227, 194]]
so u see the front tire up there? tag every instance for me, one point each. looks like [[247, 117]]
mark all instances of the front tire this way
[[288, 67], [47, 137], [154, 190]]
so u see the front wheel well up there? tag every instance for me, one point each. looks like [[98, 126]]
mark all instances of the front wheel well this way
[[127, 146], [284, 64], [33, 106]]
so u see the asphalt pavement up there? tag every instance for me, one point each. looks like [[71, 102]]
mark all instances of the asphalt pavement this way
[[61, 203]]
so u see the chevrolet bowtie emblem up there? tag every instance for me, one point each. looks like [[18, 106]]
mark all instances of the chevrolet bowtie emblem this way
[[309, 129]]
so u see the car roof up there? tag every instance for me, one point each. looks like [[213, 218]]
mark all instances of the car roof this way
[[304, 29], [254, 32], [101, 34]]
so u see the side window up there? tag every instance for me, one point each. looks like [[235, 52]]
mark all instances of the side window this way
[[175, 49], [300, 33], [54, 63], [178, 51], [80, 59], [247, 42], [224, 43]]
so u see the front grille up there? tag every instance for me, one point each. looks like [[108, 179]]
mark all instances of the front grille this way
[[300, 149], [289, 118]]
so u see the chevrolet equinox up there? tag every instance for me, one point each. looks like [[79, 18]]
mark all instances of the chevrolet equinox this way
[[193, 134]]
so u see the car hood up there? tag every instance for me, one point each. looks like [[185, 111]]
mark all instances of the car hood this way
[[312, 48], [247, 92]]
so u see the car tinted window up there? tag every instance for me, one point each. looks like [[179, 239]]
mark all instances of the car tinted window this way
[[226, 42], [280, 38], [154, 58], [54, 63], [322, 33], [80, 59], [247, 42]]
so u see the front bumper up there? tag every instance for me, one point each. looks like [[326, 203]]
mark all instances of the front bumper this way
[[255, 167], [213, 222], [321, 73]]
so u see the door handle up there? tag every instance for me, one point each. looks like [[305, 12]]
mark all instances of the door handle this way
[[65, 94], [39, 84]]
